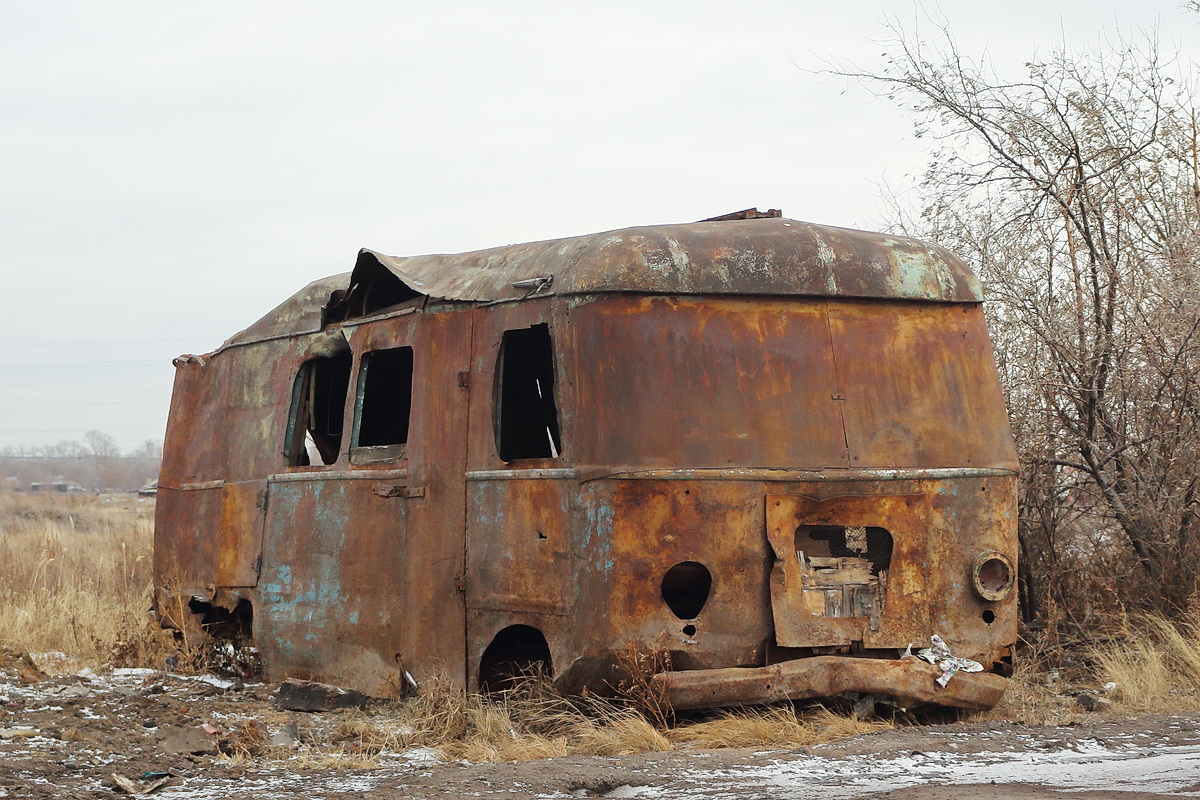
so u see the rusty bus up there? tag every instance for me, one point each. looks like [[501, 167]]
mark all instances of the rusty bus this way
[[776, 451]]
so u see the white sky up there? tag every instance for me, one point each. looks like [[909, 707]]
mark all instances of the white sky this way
[[171, 171]]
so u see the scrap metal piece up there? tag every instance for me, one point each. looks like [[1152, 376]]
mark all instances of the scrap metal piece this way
[[913, 682], [939, 655]]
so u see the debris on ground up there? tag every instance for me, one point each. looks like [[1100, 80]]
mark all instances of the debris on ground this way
[[939, 655], [1090, 702], [311, 696]]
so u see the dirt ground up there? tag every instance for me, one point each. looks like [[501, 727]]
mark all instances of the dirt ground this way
[[78, 737]]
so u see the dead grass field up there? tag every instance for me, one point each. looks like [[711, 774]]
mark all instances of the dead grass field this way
[[75, 588], [75, 579]]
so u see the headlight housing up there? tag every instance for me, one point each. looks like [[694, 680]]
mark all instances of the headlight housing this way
[[993, 576]]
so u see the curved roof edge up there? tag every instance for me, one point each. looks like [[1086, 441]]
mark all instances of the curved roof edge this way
[[776, 256], [758, 256], [300, 313]]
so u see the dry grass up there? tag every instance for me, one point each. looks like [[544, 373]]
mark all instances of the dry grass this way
[[1155, 665], [532, 723], [522, 725], [778, 726], [1032, 698], [75, 578]]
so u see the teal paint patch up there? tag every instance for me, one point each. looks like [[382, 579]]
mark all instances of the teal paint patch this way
[[302, 600], [486, 508], [596, 546], [916, 275]]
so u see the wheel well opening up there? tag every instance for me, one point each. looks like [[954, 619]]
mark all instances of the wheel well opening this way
[[517, 653]]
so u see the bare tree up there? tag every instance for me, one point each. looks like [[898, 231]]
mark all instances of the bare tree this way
[[101, 444], [1073, 188], [150, 448]]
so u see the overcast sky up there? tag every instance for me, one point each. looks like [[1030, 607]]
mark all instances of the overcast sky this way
[[172, 171]]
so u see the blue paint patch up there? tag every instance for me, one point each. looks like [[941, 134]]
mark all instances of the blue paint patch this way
[[598, 537], [302, 600]]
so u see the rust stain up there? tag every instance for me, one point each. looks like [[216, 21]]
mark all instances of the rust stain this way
[[776, 450]]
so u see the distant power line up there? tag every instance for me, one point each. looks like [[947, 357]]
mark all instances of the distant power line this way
[[26, 345], [83, 364]]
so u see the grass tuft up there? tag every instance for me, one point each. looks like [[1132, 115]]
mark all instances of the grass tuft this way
[[1154, 663], [781, 726]]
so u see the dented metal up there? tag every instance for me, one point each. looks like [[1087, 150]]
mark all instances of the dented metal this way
[[776, 451]]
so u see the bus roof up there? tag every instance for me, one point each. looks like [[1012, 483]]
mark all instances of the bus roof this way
[[769, 256]]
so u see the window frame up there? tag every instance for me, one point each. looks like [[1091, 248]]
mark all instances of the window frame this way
[[373, 454]]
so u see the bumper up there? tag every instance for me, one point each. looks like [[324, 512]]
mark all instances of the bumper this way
[[910, 680]]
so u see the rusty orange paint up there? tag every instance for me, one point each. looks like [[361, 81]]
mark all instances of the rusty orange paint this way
[[793, 436]]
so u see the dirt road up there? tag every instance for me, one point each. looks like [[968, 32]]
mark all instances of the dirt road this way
[[68, 738]]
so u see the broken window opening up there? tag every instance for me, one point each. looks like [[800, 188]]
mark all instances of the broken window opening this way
[[385, 384], [517, 654], [526, 416], [685, 588], [843, 569], [373, 288], [318, 406]]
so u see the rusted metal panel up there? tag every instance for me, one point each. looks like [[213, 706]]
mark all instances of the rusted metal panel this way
[[762, 448], [187, 536], [517, 545], [689, 382], [919, 385], [243, 512], [321, 613]]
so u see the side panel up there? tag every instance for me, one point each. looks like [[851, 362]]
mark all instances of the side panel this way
[[222, 440], [920, 386], [714, 382], [756, 611], [657, 525], [186, 537], [361, 561], [243, 512], [329, 606], [518, 513]]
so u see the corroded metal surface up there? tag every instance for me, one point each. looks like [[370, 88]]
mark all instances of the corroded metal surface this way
[[769, 257], [778, 446], [911, 681], [761, 256]]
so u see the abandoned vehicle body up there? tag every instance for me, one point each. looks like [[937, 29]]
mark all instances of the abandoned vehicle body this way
[[776, 451]]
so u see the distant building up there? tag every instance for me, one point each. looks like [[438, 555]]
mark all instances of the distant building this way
[[56, 485]]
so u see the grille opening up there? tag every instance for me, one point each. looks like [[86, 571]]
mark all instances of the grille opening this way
[[847, 541], [517, 653], [685, 588]]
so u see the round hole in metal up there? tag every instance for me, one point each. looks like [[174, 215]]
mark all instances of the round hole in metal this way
[[993, 576], [685, 588]]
